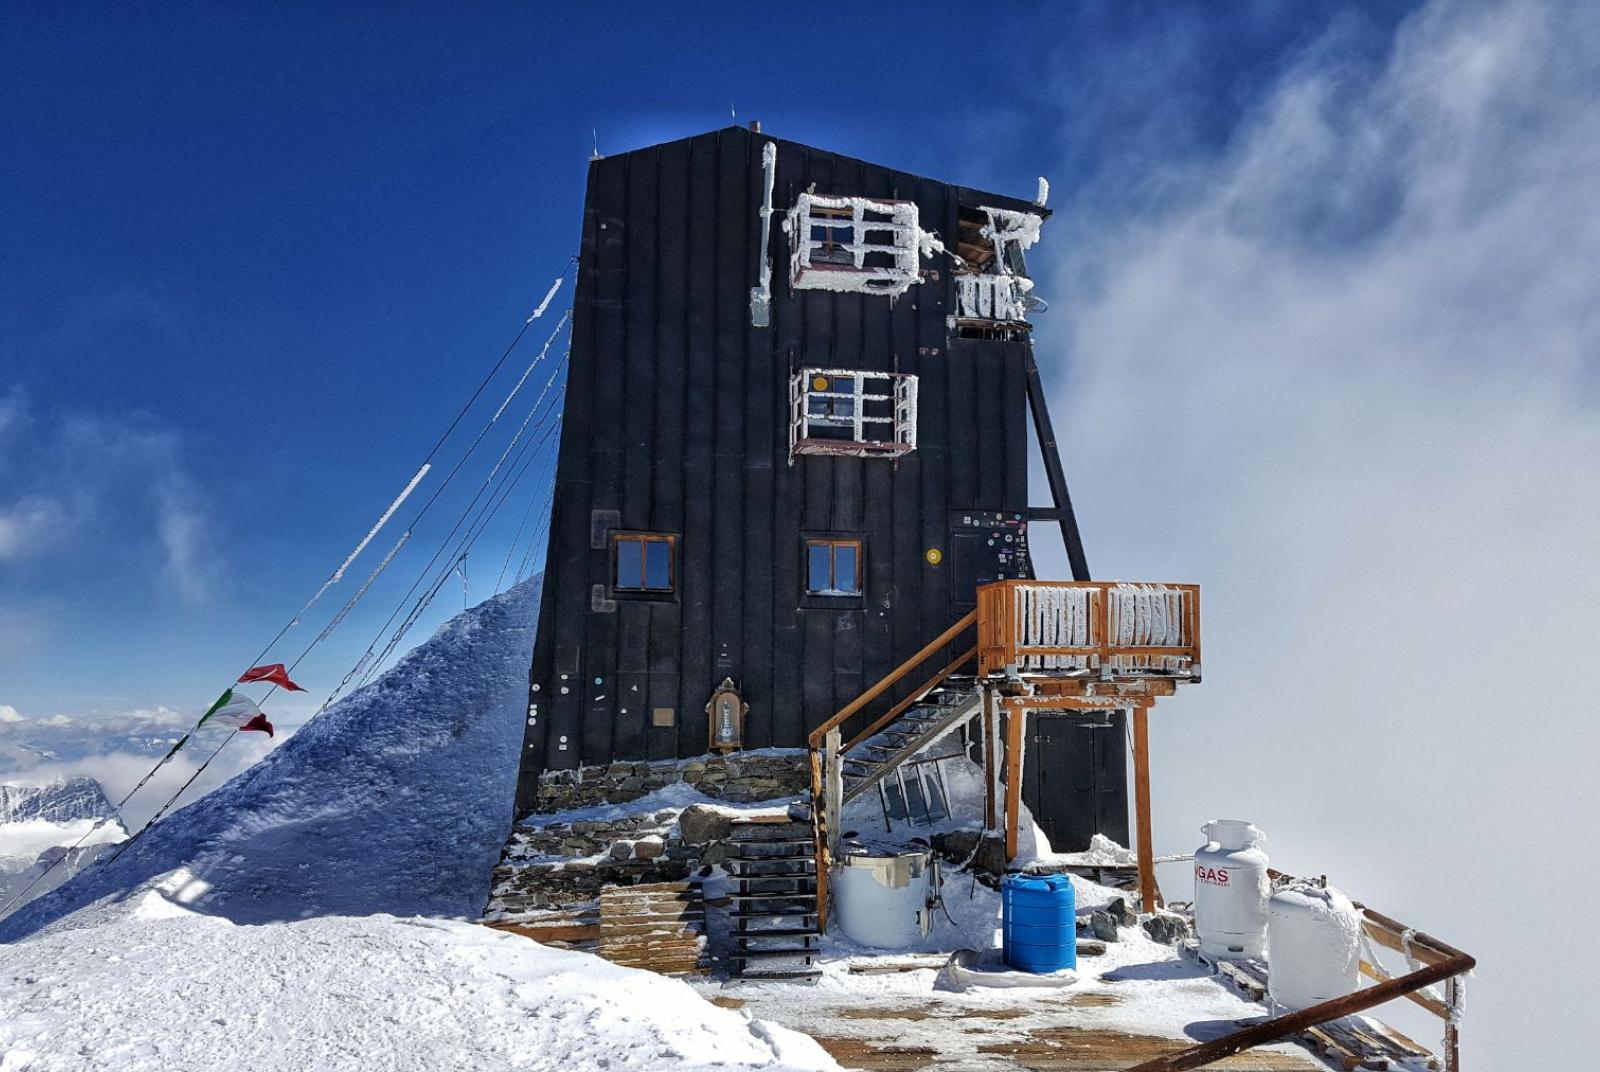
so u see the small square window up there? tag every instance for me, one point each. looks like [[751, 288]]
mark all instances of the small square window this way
[[833, 567], [642, 561]]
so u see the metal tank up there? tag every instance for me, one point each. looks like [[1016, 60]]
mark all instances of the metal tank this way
[[885, 901], [1230, 891], [1314, 938]]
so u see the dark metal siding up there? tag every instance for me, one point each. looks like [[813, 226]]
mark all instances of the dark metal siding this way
[[676, 418]]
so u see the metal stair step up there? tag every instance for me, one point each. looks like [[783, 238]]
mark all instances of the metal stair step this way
[[776, 932], [740, 915], [775, 954], [783, 976], [792, 865]]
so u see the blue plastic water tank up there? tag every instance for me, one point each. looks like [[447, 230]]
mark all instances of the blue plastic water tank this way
[[1039, 922]]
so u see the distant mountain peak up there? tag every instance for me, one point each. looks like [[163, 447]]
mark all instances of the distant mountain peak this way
[[64, 800]]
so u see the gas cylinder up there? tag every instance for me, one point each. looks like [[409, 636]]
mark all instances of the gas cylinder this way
[[1230, 891], [1314, 943]]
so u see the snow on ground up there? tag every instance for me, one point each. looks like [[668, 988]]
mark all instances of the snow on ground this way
[[257, 929], [396, 799], [164, 989]]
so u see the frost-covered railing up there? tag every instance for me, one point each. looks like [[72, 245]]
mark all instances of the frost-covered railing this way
[[853, 244], [852, 413], [986, 296], [1106, 627]]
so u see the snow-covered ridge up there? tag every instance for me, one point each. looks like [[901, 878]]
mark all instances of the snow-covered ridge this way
[[396, 799]]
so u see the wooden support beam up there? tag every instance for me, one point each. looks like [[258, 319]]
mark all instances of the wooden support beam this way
[[990, 739], [1149, 896], [1205, 1053], [1376, 972], [1015, 720]]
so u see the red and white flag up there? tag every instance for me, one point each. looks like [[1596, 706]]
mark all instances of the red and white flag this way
[[242, 714], [273, 674]]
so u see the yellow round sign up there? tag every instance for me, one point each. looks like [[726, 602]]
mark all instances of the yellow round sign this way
[[819, 383], [934, 556]]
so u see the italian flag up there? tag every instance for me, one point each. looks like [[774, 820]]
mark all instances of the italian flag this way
[[240, 712]]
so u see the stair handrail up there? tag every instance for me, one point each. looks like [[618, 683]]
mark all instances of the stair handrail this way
[[913, 697], [815, 740]]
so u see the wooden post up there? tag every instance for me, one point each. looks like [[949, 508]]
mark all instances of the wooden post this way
[[1015, 718], [991, 741], [832, 791], [1148, 894], [1452, 1034]]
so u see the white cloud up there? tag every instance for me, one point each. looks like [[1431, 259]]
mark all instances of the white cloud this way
[[28, 524], [1345, 375], [118, 748], [190, 563], [95, 486]]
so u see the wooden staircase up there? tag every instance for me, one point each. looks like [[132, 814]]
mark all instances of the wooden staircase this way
[[910, 739], [1063, 646]]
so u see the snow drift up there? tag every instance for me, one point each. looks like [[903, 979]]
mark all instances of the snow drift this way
[[164, 990], [396, 799]]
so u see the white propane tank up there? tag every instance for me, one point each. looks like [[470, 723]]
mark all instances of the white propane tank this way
[[1314, 934], [1230, 891]]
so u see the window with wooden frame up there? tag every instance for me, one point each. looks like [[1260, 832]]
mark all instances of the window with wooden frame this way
[[833, 567], [643, 562], [861, 244], [852, 413]]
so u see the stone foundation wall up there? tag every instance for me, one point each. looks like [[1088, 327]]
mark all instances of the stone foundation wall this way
[[740, 778], [549, 865]]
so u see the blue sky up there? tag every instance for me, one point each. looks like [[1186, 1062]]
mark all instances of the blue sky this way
[[251, 262], [1322, 337]]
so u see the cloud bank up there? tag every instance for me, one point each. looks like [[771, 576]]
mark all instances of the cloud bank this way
[[117, 748], [1343, 373]]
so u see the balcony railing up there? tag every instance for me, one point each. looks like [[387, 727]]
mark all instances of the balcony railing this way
[[1101, 627], [987, 296]]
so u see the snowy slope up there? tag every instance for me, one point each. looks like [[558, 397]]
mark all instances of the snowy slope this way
[[396, 799], [168, 991]]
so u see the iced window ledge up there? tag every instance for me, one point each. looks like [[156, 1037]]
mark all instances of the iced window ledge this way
[[850, 413], [855, 244]]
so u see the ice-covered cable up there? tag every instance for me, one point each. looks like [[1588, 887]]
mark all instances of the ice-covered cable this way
[[549, 296], [497, 498], [360, 592], [338, 574], [367, 664]]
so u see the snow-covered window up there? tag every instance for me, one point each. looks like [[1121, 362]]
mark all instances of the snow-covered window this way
[[847, 412], [993, 291], [833, 567], [853, 244]]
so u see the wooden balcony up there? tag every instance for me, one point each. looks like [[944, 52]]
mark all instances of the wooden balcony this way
[[1108, 630]]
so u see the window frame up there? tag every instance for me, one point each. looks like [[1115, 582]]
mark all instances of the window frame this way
[[857, 543], [882, 417], [854, 231], [616, 538]]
